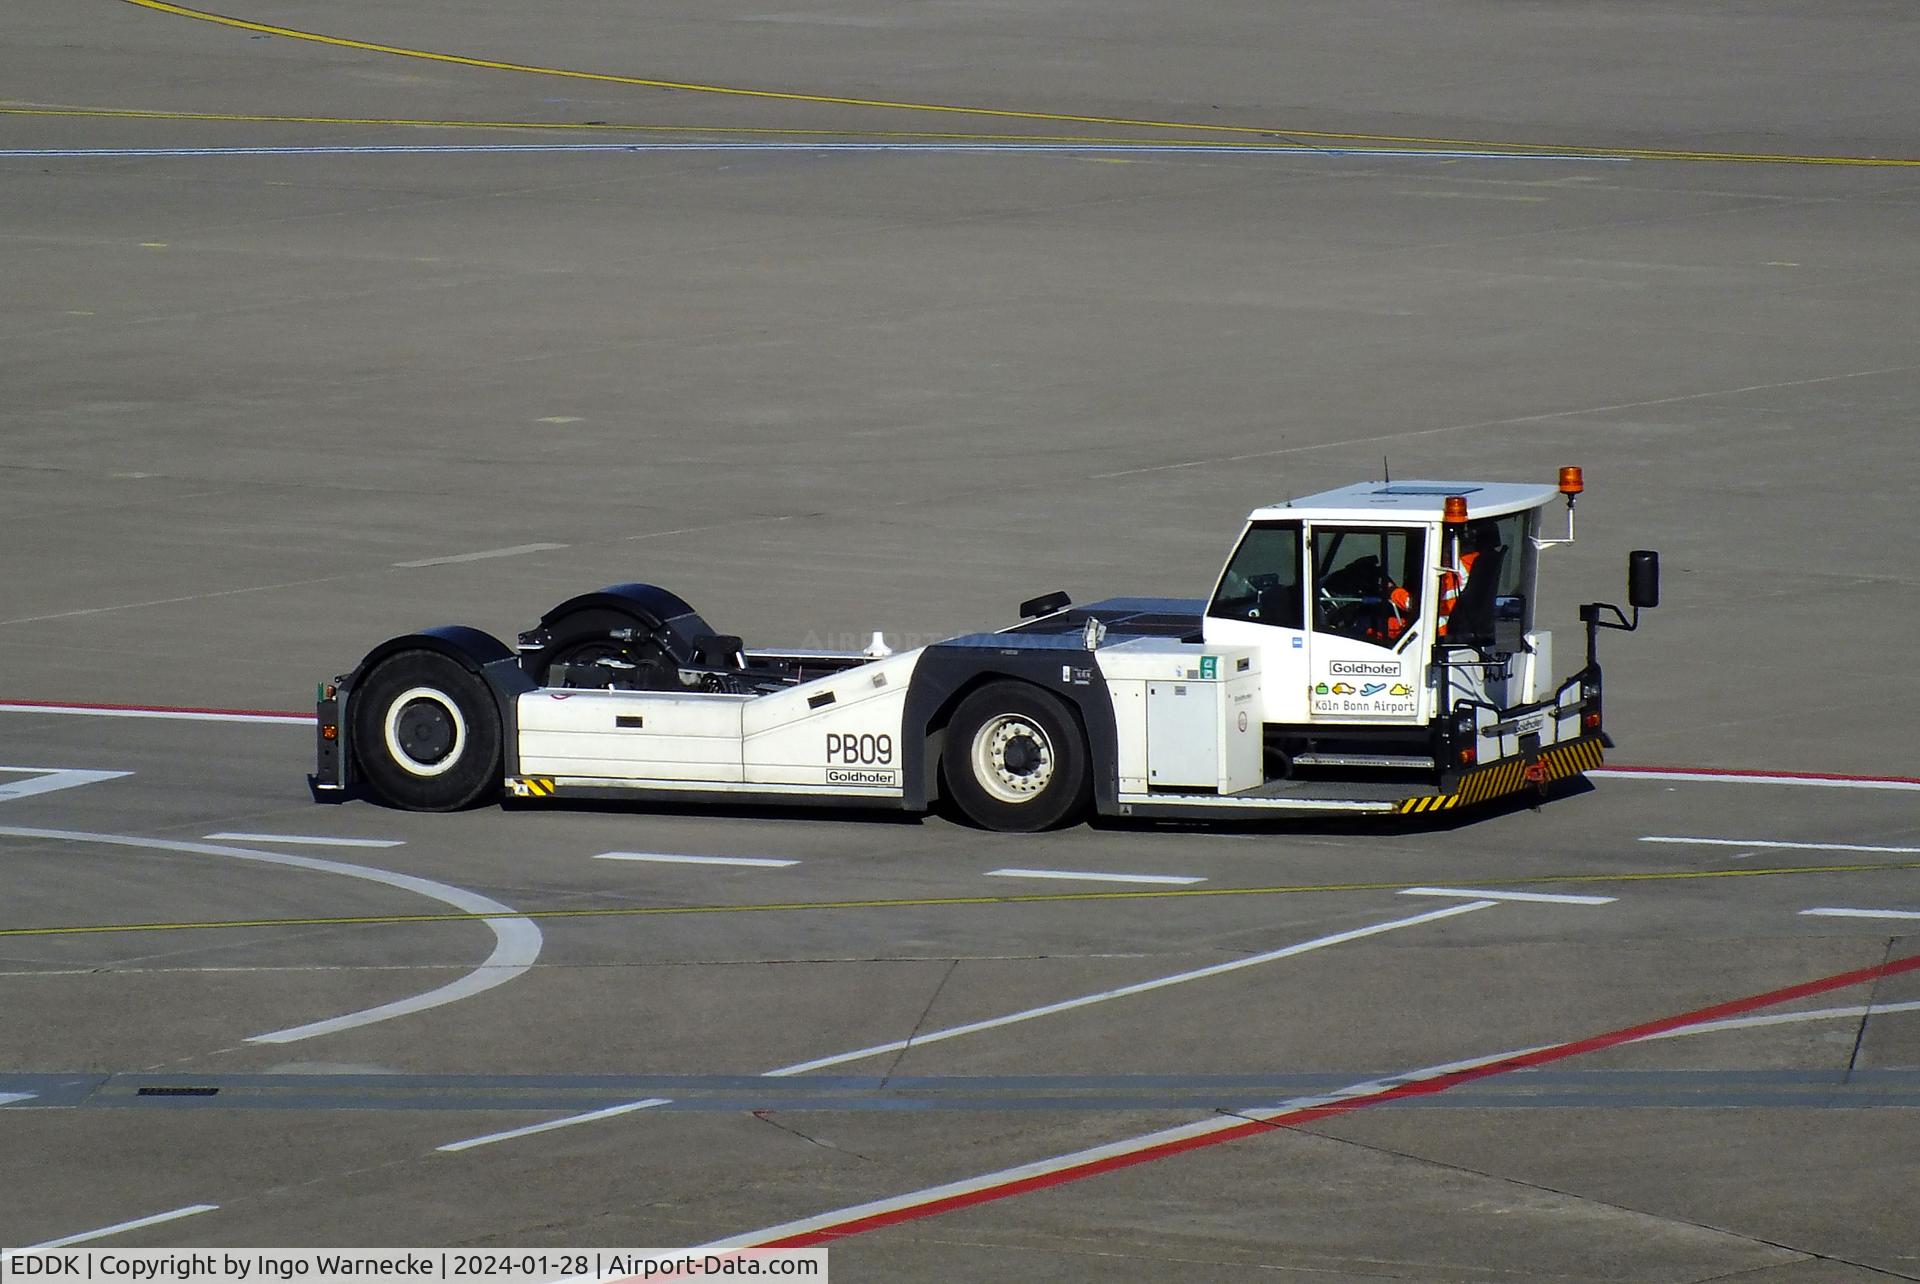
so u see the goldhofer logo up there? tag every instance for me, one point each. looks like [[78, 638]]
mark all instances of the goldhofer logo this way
[[1365, 668], [838, 776]]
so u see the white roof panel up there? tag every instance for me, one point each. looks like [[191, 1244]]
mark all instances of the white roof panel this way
[[1417, 500]]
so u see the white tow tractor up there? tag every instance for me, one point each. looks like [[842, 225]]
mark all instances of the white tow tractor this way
[[1370, 649]]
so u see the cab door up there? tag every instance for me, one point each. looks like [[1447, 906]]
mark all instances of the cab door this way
[[1370, 624], [1260, 601]]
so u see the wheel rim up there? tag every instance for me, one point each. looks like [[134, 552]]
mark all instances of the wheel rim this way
[[1013, 758], [425, 732]]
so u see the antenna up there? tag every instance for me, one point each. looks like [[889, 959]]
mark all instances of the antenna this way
[[1386, 474]]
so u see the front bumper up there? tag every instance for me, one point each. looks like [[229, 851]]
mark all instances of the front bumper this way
[[1512, 775]]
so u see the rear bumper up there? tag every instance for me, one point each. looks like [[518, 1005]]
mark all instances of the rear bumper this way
[[332, 776]]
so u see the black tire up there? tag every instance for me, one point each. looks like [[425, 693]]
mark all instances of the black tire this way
[[1016, 759], [426, 733]]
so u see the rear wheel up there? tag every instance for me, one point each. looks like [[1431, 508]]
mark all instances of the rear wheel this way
[[426, 733], [1016, 759]]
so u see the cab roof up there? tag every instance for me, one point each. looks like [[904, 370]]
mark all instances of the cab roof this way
[[1418, 500]]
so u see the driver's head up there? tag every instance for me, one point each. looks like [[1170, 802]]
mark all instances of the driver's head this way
[[1479, 537]]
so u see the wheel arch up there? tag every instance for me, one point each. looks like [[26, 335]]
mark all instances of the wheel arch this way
[[475, 650], [947, 676], [679, 626]]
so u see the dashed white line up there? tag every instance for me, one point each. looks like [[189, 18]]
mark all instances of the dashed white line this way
[[1776, 845], [668, 858], [954, 1032], [516, 551], [137, 1223], [47, 779], [1542, 898], [626, 1108], [1834, 911], [308, 840], [1179, 880], [517, 940]]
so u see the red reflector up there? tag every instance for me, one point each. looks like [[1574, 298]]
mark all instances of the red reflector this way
[[329, 732], [1467, 757], [1591, 720]]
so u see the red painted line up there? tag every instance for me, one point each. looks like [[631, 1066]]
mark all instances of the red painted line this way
[[1310, 1114], [156, 708], [1719, 773]]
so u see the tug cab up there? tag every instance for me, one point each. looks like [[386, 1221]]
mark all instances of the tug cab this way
[[1383, 609]]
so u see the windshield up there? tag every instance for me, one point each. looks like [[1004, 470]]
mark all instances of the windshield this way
[[1262, 582]]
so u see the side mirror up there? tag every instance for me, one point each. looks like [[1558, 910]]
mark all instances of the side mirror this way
[[1643, 578]]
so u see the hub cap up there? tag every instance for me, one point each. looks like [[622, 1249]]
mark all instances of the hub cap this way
[[425, 732], [1012, 758]]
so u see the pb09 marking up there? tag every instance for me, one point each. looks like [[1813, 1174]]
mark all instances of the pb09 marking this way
[[859, 750]]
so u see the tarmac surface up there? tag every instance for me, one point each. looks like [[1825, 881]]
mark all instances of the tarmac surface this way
[[285, 375]]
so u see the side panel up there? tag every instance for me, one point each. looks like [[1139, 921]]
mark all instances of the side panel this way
[[1187, 716], [839, 732], [631, 735], [1283, 664]]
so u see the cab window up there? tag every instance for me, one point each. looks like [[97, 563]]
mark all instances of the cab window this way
[[1367, 581], [1262, 583]]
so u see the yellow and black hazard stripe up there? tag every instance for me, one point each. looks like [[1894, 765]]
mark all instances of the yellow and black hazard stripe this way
[[1512, 775], [530, 786]]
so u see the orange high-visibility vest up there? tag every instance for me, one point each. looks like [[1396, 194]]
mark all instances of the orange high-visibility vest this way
[[1451, 585]]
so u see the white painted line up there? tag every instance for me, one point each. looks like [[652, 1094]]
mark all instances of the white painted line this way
[[1126, 991], [9, 1098], [308, 840], [954, 1032], [1785, 1018], [182, 715], [517, 940], [1762, 842], [1831, 911], [1088, 876], [49, 779], [516, 551], [626, 1108], [138, 1222], [1754, 778], [665, 858], [1542, 898]]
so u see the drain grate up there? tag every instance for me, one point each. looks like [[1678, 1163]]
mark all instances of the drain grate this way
[[177, 1092]]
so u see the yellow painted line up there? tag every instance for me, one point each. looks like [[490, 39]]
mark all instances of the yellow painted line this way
[[256, 118], [925, 902], [737, 91]]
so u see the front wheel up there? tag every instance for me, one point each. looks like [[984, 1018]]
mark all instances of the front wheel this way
[[426, 732], [1016, 759]]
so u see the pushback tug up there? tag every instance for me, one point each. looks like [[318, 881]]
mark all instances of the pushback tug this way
[[1371, 649]]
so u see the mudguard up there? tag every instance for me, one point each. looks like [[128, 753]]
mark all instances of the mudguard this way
[[680, 628], [948, 670], [474, 649]]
